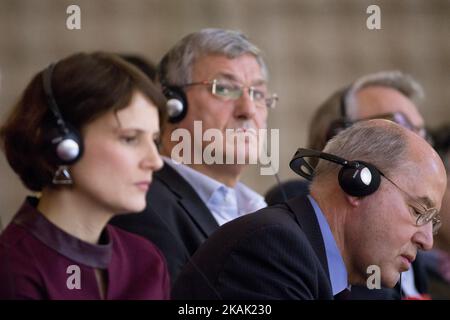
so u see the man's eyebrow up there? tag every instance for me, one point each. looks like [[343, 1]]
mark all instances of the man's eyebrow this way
[[232, 77], [427, 202], [227, 76]]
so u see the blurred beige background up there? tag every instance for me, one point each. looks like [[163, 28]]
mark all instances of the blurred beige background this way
[[312, 47]]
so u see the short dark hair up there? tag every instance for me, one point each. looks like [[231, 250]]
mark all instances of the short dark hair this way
[[85, 86], [143, 64]]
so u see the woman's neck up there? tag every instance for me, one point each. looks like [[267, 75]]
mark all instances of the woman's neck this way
[[74, 213]]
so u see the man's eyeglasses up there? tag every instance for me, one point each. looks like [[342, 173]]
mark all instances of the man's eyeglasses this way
[[420, 212], [230, 91], [401, 119]]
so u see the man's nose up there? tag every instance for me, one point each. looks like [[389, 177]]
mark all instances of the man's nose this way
[[245, 106], [423, 238]]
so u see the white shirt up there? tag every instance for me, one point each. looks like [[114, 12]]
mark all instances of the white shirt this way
[[407, 283], [225, 203]]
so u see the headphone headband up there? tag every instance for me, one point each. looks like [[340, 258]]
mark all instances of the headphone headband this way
[[343, 122], [343, 103], [67, 145], [356, 178], [298, 163], [47, 84]]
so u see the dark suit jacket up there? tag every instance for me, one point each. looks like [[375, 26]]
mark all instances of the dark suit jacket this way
[[274, 253], [176, 219], [286, 190], [293, 188]]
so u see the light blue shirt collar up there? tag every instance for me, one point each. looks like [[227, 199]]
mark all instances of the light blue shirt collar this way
[[336, 266], [225, 203]]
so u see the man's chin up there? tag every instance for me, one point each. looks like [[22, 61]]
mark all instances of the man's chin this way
[[390, 281]]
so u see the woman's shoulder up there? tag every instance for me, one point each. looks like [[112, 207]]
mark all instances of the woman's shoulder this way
[[18, 265], [15, 237]]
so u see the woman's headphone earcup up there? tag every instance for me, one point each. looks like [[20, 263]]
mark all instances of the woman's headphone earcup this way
[[68, 148]]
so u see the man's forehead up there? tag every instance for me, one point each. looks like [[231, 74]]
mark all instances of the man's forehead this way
[[376, 100], [423, 177], [234, 78], [242, 68]]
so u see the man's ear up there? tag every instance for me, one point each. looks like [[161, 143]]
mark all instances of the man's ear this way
[[353, 201]]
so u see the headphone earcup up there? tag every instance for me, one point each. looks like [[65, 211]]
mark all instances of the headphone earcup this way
[[68, 148], [176, 104], [359, 179]]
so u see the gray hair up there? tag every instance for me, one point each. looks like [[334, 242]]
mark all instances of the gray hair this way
[[397, 80], [385, 146], [175, 69]]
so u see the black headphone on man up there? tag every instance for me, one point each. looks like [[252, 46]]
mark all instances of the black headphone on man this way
[[67, 144], [356, 178], [177, 104]]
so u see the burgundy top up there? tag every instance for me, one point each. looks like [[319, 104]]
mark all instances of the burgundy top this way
[[38, 260]]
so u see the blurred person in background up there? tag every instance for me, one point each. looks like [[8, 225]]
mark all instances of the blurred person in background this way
[[143, 64]]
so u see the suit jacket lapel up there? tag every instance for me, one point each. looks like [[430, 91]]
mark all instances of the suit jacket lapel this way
[[188, 199], [306, 218]]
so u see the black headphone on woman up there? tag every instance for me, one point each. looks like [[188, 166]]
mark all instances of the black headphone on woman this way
[[356, 178], [67, 144]]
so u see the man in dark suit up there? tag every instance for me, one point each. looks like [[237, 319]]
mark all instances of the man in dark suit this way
[[315, 247], [390, 95], [216, 82]]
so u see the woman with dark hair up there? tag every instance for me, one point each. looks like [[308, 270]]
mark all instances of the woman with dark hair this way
[[83, 136]]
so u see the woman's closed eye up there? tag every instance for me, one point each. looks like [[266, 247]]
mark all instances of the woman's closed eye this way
[[129, 139], [157, 139]]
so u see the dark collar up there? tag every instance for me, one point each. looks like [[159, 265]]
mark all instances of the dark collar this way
[[188, 199], [95, 256], [306, 218]]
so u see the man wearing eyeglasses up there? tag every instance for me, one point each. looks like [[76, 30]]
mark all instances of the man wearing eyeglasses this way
[[389, 95], [316, 246], [218, 79]]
